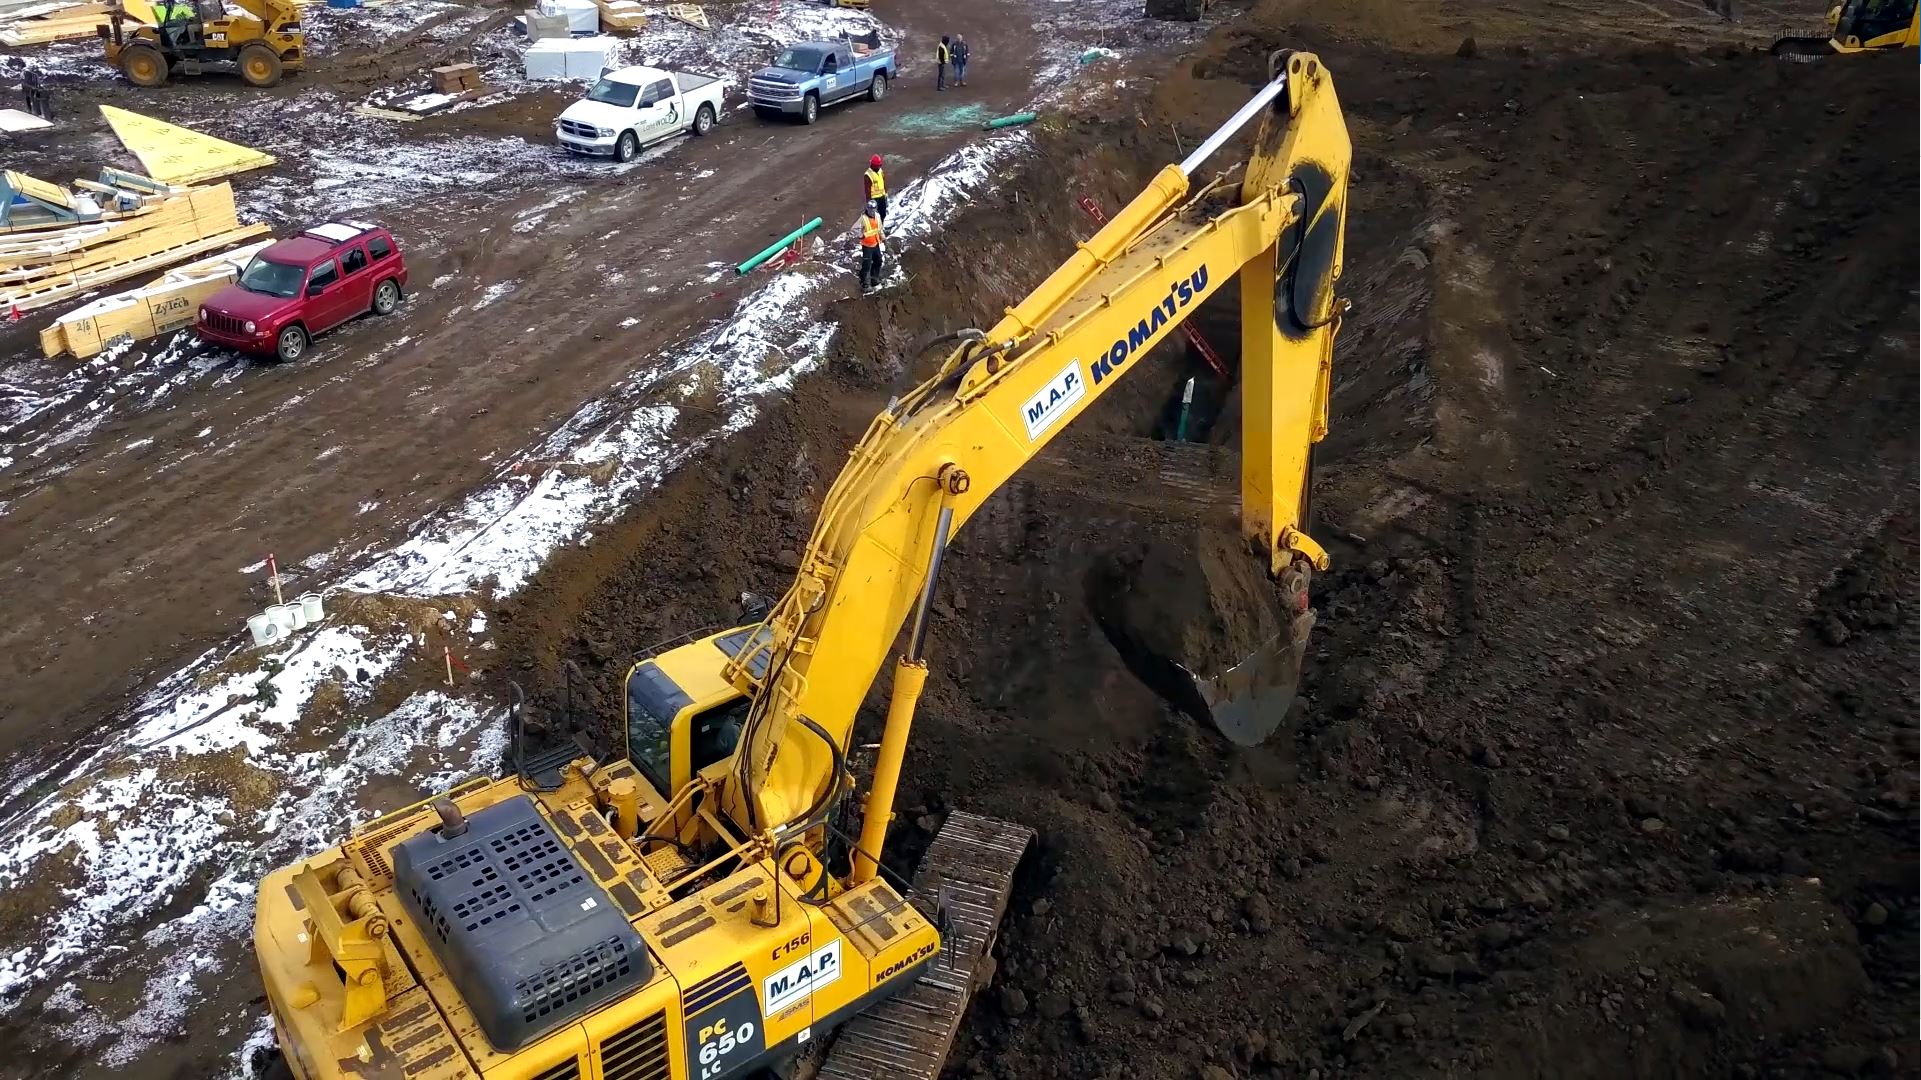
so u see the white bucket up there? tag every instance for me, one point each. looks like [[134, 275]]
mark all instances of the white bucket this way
[[284, 616], [311, 607], [264, 630]]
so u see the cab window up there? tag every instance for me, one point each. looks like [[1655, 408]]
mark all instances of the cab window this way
[[353, 261], [652, 703], [717, 732], [380, 247], [324, 274]]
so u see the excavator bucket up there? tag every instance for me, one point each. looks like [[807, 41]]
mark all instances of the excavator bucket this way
[[1249, 701]]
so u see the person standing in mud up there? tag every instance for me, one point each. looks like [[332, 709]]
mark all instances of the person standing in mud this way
[[959, 51], [876, 181], [870, 239], [942, 54], [34, 90]]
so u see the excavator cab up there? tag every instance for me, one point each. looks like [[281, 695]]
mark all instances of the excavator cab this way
[[682, 714], [1856, 26], [261, 46]]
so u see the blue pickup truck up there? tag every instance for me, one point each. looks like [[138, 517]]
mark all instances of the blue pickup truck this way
[[810, 75]]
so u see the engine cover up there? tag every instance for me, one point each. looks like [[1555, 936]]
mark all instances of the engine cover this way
[[528, 937]]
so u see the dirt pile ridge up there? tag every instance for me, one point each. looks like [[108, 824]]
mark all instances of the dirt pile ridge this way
[[1605, 766]]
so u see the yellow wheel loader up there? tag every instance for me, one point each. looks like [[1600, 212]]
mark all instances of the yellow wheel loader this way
[[699, 905], [1856, 26], [260, 47]]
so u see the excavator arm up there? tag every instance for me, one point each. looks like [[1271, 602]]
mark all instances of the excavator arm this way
[[929, 461]]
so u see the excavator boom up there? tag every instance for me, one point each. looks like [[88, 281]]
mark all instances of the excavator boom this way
[[929, 461]]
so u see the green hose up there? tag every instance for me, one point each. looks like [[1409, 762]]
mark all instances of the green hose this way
[[776, 247], [1010, 121]]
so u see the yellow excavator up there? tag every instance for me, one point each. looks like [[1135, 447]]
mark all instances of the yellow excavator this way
[[698, 906], [261, 46], [1856, 26]]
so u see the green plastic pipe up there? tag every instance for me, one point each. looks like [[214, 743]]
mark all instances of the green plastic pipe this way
[[776, 247], [1010, 121], [1187, 402]]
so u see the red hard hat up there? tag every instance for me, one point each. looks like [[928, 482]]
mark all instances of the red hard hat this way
[[874, 161]]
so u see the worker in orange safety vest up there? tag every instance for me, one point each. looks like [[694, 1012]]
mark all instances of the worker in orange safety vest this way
[[870, 240], [877, 185]]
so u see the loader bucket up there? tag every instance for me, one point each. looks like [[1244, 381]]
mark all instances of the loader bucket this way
[[1248, 701]]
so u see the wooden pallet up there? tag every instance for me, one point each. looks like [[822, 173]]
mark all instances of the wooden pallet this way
[[692, 14], [375, 112]]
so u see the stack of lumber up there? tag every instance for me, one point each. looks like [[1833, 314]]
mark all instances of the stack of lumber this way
[[456, 79], [75, 23], [620, 15], [45, 263], [161, 306]]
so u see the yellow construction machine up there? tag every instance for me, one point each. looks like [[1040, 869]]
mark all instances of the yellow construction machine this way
[[695, 905], [260, 46], [1856, 26]]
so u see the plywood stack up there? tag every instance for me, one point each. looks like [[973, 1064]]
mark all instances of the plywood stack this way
[[620, 15], [76, 246], [176, 155], [457, 79], [75, 23], [161, 306]]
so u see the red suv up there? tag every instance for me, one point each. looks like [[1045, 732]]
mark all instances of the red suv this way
[[306, 285]]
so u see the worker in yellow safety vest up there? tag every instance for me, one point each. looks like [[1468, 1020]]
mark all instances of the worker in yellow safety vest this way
[[173, 17], [877, 185], [870, 238], [942, 54]]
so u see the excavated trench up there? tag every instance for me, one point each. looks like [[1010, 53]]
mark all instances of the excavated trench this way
[[1503, 831]]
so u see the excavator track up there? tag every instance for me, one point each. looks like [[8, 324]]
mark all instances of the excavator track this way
[[967, 874], [1802, 50]]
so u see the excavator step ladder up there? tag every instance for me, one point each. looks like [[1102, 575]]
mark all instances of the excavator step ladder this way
[[965, 877]]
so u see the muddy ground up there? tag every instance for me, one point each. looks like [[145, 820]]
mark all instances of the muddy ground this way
[[129, 505], [1607, 764], [572, 329]]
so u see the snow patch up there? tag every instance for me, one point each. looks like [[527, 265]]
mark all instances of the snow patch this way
[[494, 292]]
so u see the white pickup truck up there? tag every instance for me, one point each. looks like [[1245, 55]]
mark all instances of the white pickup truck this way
[[631, 107]]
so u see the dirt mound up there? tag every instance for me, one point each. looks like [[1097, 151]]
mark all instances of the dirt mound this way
[[1605, 763]]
